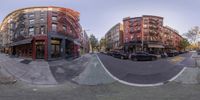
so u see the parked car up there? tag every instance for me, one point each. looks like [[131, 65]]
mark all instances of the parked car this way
[[142, 56], [121, 55], [164, 55], [198, 52], [172, 53], [102, 52], [110, 53]]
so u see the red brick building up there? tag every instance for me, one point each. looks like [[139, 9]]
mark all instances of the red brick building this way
[[42, 33], [143, 33], [171, 38]]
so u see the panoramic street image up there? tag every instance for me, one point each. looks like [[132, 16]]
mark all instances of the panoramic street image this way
[[99, 50]]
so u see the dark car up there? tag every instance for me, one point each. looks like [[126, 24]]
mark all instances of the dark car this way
[[198, 52], [143, 56], [164, 55], [121, 55], [172, 53], [110, 53]]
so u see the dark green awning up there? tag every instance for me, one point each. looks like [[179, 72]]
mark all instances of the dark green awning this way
[[25, 41]]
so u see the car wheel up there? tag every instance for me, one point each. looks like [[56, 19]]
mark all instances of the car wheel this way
[[122, 57], [153, 58], [134, 59]]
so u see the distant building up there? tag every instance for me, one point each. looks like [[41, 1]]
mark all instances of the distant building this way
[[42, 33], [114, 37], [85, 45]]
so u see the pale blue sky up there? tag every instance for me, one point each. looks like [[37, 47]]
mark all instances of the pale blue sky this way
[[98, 16]]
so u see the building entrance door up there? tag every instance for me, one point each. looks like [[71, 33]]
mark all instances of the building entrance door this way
[[40, 49]]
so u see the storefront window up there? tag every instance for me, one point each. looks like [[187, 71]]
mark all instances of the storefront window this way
[[55, 48]]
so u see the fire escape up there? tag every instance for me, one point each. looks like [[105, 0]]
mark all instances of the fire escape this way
[[154, 30], [18, 30], [73, 26]]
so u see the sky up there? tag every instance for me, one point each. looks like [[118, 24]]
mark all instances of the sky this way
[[98, 16]]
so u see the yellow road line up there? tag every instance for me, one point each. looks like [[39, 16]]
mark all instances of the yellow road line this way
[[177, 59]]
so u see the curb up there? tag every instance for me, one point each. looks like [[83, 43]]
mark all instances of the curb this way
[[139, 85]]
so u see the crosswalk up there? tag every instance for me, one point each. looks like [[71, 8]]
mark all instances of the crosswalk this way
[[177, 59]]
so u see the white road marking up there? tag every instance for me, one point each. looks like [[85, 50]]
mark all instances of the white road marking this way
[[134, 84], [173, 78]]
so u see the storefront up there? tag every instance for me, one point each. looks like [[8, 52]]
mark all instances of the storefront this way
[[155, 48], [22, 48], [151, 47]]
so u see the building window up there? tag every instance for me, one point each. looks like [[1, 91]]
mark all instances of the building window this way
[[31, 15], [21, 32], [42, 30], [54, 18], [31, 31], [42, 13], [15, 35], [64, 28], [54, 27], [42, 19], [31, 21]]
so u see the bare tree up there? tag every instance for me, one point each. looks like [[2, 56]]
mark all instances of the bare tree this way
[[193, 35]]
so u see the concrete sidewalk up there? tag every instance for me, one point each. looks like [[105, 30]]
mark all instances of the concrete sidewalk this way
[[36, 72], [93, 74], [85, 70], [197, 59]]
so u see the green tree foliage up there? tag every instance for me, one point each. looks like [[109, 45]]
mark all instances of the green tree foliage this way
[[93, 42], [102, 43], [184, 43]]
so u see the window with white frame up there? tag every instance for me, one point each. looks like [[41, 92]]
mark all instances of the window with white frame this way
[[54, 27], [31, 15], [31, 31], [54, 18], [31, 21], [42, 19], [64, 28], [42, 30]]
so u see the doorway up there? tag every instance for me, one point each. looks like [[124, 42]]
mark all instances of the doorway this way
[[40, 49]]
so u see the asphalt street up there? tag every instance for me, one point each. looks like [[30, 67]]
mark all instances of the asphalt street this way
[[189, 60], [146, 72]]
